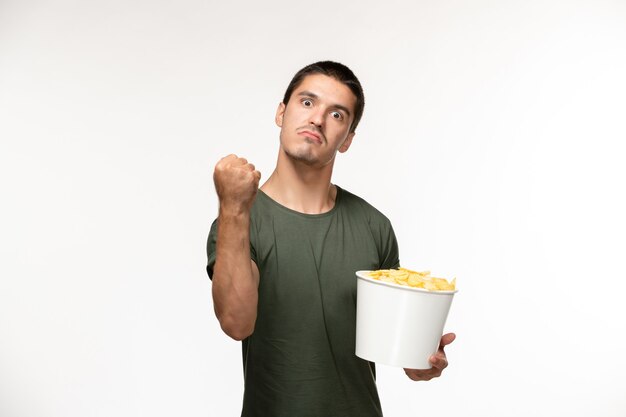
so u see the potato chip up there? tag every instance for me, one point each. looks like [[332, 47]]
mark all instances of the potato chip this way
[[415, 279]]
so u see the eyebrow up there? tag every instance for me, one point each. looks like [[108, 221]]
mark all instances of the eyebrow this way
[[313, 95]]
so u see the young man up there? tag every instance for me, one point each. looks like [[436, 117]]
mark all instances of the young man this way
[[283, 260]]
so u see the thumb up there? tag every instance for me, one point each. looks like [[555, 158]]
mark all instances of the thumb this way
[[446, 339]]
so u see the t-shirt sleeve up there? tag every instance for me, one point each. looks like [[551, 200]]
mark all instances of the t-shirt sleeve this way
[[212, 245], [210, 249], [389, 252]]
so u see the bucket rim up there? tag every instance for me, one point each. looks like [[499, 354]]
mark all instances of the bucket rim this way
[[362, 275]]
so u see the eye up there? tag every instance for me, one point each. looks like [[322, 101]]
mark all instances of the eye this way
[[336, 115], [307, 102]]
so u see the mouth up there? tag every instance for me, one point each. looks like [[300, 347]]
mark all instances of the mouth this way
[[311, 135]]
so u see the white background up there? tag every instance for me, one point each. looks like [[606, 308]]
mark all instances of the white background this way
[[492, 139]]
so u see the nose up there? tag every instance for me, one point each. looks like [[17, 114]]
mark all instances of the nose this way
[[317, 117]]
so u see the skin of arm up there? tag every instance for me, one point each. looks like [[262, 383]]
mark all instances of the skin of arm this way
[[235, 275]]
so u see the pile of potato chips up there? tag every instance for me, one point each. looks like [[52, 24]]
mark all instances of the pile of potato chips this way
[[403, 276]]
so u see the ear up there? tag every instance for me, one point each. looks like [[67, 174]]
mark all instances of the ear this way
[[280, 111], [346, 143]]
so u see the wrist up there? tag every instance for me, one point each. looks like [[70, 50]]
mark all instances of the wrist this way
[[234, 211]]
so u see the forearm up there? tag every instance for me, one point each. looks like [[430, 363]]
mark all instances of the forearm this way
[[235, 278]]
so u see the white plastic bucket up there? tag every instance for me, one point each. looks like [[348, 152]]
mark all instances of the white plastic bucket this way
[[398, 325]]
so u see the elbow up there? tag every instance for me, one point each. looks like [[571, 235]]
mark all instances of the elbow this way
[[235, 330], [238, 335]]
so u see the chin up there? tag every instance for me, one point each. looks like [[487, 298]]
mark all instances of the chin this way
[[303, 157]]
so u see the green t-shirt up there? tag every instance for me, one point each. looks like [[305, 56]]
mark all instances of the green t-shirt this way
[[300, 360]]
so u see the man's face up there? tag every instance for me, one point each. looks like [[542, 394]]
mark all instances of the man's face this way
[[315, 123]]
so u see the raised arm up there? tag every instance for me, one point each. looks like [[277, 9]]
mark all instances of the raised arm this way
[[235, 275]]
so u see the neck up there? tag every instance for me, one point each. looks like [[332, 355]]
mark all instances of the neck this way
[[301, 187]]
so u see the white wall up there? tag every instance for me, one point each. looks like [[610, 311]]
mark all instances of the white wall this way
[[491, 138]]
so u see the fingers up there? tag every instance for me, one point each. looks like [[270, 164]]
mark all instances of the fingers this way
[[236, 182], [234, 161], [446, 339], [227, 159], [439, 361], [422, 374], [416, 375]]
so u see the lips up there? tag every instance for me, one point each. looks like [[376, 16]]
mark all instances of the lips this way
[[312, 135]]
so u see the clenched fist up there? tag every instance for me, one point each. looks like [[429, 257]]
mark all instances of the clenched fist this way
[[236, 182]]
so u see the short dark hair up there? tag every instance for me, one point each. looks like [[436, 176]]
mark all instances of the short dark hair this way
[[337, 71]]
